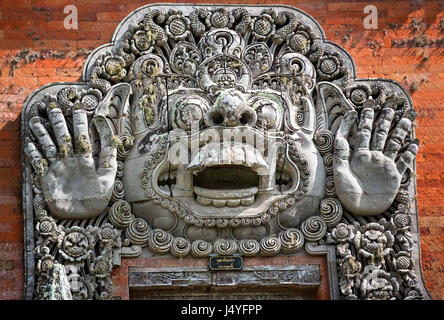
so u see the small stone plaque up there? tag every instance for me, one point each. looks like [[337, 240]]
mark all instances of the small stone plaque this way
[[228, 263]]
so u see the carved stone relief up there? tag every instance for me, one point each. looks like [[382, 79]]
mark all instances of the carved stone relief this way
[[258, 282], [303, 275], [222, 130]]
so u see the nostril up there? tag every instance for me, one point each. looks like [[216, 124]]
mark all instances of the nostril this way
[[216, 117], [245, 118]]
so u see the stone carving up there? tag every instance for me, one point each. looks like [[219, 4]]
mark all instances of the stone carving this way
[[154, 278], [378, 285], [222, 130], [292, 240], [368, 183], [57, 287], [365, 271], [89, 193]]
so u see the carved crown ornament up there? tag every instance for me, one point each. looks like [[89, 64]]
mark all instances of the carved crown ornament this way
[[202, 130]]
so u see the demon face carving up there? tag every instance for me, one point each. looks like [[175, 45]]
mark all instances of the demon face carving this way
[[228, 147]]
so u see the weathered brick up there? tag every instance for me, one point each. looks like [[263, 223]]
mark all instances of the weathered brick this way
[[6, 265]]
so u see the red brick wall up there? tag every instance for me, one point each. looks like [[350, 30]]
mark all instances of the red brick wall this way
[[35, 49]]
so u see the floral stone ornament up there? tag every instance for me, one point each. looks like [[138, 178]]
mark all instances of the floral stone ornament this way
[[203, 130]]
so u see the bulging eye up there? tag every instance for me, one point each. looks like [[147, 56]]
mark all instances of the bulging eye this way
[[190, 113], [190, 110], [268, 115]]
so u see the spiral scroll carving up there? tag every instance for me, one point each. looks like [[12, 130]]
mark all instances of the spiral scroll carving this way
[[328, 163], [225, 247], [331, 211], [330, 189], [160, 241], [292, 240], [119, 172], [125, 147], [201, 248], [270, 246], [120, 214], [180, 247], [314, 228], [324, 141], [118, 191], [138, 231], [248, 247]]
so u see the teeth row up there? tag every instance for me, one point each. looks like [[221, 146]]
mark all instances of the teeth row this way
[[235, 153], [165, 188], [165, 176], [219, 203]]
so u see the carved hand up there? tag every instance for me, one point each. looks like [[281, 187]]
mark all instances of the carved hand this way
[[72, 185], [368, 178]]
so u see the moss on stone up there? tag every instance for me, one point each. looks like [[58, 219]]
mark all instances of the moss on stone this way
[[63, 150], [41, 166], [117, 143], [149, 116], [82, 144]]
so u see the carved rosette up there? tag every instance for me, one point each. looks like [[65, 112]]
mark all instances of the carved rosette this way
[[85, 254]]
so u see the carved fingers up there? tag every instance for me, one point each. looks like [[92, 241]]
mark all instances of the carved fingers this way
[[396, 139], [44, 139], [365, 129], [61, 132], [108, 154], [39, 164], [342, 151], [342, 148], [407, 158], [59, 145], [81, 134], [368, 183], [376, 137], [381, 129], [395, 142]]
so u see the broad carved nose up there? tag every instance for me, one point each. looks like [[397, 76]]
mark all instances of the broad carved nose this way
[[231, 110]]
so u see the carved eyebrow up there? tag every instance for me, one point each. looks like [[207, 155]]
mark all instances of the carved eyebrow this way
[[187, 92], [272, 96]]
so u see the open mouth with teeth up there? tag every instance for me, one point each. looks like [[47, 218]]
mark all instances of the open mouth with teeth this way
[[230, 186], [227, 176]]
